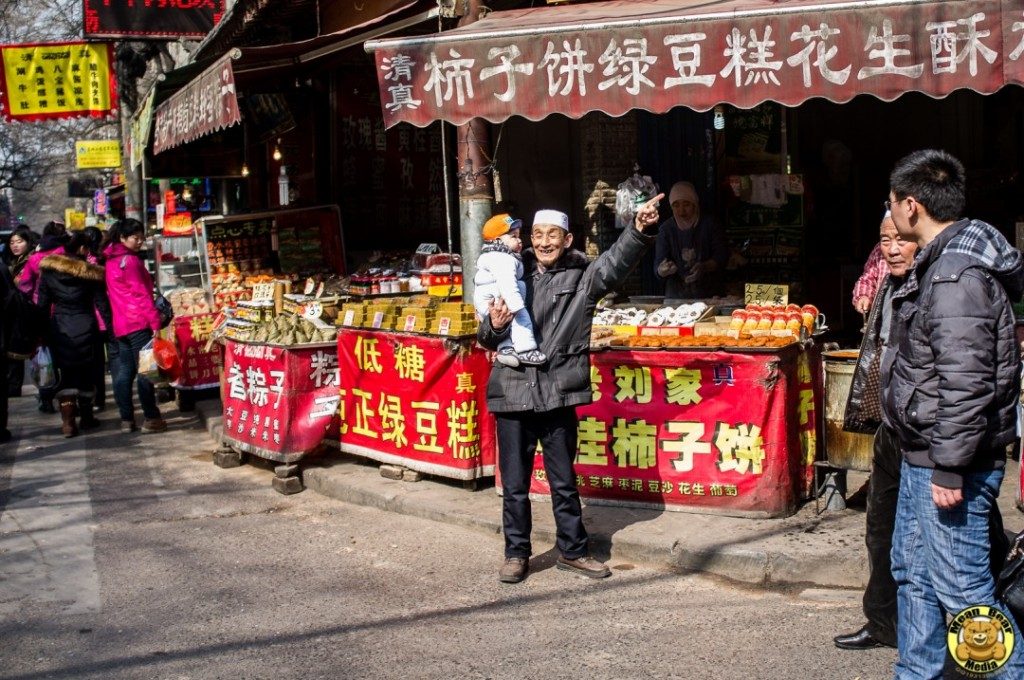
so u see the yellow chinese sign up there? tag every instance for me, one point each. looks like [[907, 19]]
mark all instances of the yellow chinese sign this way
[[102, 153], [57, 80], [74, 219], [765, 294]]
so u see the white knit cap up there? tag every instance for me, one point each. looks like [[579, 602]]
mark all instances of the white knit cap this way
[[558, 219]]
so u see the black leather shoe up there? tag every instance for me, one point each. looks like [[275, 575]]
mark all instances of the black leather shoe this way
[[862, 639]]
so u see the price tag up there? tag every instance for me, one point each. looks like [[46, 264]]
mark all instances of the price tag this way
[[410, 323], [313, 310], [765, 294], [443, 324], [378, 320], [263, 291], [350, 316]]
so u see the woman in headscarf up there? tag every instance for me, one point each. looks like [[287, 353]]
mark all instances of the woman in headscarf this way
[[690, 254], [73, 289]]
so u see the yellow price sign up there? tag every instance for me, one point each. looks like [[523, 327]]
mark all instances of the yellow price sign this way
[[765, 294]]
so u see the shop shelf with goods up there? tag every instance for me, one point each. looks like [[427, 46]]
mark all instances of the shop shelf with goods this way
[[177, 265]]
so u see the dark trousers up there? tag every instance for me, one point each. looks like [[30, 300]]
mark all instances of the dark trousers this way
[[3, 393], [15, 376], [76, 377], [124, 368], [99, 374], [518, 434], [883, 492]]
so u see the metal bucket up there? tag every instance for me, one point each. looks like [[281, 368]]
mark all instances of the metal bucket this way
[[848, 450]]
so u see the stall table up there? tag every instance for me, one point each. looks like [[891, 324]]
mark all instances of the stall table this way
[[280, 403], [417, 401], [201, 360], [727, 432]]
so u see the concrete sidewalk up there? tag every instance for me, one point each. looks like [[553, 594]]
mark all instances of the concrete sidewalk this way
[[805, 549]]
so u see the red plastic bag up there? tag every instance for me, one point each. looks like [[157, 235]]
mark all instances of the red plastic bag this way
[[167, 359]]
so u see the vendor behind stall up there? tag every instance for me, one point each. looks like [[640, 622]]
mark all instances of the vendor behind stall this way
[[691, 253]]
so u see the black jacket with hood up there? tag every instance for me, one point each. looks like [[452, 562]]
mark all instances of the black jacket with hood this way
[[951, 369], [73, 290], [561, 300]]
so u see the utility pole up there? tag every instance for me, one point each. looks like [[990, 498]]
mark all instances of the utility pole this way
[[476, 189]]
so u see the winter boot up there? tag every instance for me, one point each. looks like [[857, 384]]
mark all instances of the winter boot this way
[[68, 400], [87, 421]]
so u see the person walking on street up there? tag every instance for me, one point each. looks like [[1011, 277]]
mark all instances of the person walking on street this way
[[864, 414], [55, 235], [532, 403], [950, 390], [20, 245], [52, 243], [94, 255], [135, 322], [7, 289], [73, 289]]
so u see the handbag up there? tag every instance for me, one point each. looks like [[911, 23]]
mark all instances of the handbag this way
[[1010, 584], [165, 310]]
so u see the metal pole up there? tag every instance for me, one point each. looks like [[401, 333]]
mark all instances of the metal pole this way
[[476, 190]]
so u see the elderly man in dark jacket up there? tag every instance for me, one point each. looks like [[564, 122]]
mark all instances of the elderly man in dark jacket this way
[[534, 404], [951, 384]]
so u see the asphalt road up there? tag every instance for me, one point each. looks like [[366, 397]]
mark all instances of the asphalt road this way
[[136, 557]]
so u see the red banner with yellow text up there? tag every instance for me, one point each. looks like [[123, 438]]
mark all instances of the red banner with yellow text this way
[[416, 401], [200, 368], [280, 403], [43, 81], [714, 431]]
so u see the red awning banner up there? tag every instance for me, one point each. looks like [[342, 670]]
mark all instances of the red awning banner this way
[[658, 54], [47, 81], [206, 104]]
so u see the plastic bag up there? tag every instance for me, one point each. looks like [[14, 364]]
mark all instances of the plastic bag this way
[[148, 367], [42, 370], [166, 357], [630, 195]]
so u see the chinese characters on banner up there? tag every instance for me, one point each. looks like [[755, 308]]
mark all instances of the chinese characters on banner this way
[[280, 403], [787, 57], [732, 433], [206, 104], [199, 368], [57, 80], [416, 401], [163, 19]]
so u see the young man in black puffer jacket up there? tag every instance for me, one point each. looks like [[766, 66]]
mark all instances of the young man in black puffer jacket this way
[[534, 404], [950, 388]]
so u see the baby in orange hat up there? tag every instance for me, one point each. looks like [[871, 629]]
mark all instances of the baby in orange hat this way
[[499, 274]]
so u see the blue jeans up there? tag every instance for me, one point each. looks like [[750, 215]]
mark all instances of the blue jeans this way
[[124, 368], [940, 560]]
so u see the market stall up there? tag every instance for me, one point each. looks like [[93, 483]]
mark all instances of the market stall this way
[[704, 429], [417, 400], [280, 403], [709, 423]]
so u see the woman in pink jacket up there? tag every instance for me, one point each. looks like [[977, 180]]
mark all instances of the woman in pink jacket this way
[[52, 243], [135, 321]]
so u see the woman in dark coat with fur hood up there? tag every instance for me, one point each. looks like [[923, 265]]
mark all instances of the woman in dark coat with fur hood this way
[[74, 289]]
